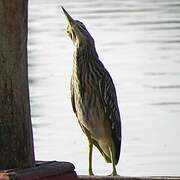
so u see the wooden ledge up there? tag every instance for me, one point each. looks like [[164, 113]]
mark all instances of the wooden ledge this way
[[84, 177], [43, 170], [54, 170]]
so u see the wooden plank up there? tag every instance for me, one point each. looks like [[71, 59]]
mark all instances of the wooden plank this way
[[43, 170], [65, 171], [84, 177]]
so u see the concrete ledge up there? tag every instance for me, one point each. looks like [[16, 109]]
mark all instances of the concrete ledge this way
[[43, 170], [83, 177]]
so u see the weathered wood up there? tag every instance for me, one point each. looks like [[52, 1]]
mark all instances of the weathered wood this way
[[83, 177], [42, 171], [16, 142], [65, 171]]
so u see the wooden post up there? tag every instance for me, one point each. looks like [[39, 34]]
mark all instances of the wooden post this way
[[16, 141]]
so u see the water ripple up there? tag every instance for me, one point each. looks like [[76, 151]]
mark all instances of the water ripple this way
[[164, 86], [166, 104]]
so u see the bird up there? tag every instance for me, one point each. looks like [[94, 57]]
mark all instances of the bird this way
[[93, 96]]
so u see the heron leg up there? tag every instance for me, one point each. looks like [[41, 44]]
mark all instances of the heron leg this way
[[112, 153], [90, 158]]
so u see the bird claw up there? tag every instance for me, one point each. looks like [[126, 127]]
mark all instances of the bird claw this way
[[113, 174], [91, 173]]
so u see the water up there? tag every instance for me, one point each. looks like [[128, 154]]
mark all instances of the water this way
[[139, 43]]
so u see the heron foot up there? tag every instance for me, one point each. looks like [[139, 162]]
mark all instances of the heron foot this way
[[114, 174], [91, 173]]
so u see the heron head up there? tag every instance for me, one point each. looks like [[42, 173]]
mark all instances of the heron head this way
[[77, 31]]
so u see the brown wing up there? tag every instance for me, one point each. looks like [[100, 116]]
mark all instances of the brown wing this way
[[109, 100]]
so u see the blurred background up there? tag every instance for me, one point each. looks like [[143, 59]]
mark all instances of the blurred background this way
[[139, 43]]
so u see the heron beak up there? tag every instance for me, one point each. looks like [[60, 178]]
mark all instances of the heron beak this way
[[69, 19], [72, 28]]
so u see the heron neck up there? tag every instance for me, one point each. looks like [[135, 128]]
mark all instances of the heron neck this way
[[86, 52]]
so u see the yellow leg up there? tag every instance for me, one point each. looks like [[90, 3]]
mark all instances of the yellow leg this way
[[90, 158], [111, 150]]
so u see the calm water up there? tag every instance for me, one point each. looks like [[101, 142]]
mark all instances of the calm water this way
[[139, 43]]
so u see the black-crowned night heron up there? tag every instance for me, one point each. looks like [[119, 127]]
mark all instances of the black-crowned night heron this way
[[93, 96]]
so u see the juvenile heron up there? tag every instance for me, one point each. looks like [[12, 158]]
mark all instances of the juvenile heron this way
[[93, 96]]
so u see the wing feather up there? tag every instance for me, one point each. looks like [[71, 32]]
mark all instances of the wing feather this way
[[110, 104]]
